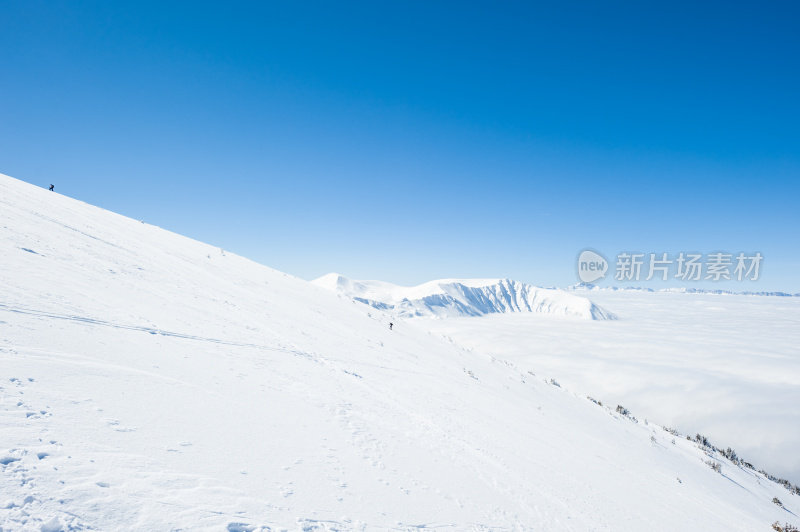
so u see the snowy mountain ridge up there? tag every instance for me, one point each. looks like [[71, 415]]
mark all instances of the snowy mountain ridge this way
[[464, 297]]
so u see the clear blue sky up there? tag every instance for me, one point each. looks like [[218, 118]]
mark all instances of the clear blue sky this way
[[410, 141]]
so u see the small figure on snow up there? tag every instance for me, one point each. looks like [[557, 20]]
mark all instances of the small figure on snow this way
[[52, 187], [391, 325]]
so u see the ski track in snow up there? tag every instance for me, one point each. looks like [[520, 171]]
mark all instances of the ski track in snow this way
[[149, 330]]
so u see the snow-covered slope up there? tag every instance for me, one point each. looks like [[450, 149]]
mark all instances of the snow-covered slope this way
[[152, 382], [724, 365], [463, 297]]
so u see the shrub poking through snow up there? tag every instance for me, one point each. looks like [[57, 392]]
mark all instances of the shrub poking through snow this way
[[705, 444], [730, 454], [785, 528], [627, 413], [713, 464], [793, 488], [703, 441], [471, 374]]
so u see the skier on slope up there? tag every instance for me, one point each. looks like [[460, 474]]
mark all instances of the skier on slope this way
[[52, 187], [391, 325]]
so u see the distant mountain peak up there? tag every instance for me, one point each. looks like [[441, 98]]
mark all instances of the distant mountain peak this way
[[464, 297]]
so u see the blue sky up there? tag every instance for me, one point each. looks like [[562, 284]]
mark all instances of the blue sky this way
[[411, 141]]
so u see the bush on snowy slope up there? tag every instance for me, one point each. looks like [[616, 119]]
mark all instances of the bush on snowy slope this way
[[711, 450], [713, 464]]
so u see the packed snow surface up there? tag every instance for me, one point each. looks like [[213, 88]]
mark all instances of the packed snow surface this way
[[463, 297], [152, 382]]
